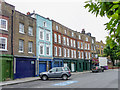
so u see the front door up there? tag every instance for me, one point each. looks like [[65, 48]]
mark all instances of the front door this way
[[8, 70]]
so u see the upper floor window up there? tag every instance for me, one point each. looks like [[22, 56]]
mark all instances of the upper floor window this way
[[71, 43], [41, 35], [74, 54], [59, 38], [60, 51], [86, 55], [64, 52], [71, 53], [30, 31], [30, 47], [3, 43], [48, 36], [55, 37], [68, 41], [55, 51], [86, 38], [56, 27], [85, 46], [74, 43], [81, 45], [78, 54], [82, 55], [48, 50], [88, 46], [68, 52], [64, 40], [41, 49], [92, 41], [78, 44], [102, 47], [65, 31], [3, 24], [79, 37], [89, 55], [72, 34], [21, 28], [94, 48], [91, 47], [21, 45], [44, 24]]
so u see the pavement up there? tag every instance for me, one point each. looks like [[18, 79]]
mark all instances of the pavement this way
[[30, 79]]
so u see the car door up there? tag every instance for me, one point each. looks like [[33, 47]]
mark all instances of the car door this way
[[58, 72], [51, 73]]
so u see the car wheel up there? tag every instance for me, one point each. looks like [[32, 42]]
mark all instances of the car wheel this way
[[64, 77], [44, 77]]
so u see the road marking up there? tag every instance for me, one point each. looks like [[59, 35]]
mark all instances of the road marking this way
[[65, 83]]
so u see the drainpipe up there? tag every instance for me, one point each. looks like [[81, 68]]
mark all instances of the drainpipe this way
[[12, 32]]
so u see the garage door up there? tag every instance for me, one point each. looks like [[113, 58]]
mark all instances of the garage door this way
[[42, 67], [25, 68]]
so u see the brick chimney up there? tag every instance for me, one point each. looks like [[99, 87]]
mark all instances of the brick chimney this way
[[28, 13], [83, 31]]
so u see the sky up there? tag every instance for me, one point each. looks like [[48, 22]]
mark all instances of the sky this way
[[70, 13]]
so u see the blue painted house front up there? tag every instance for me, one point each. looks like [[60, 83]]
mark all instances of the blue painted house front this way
[[43, 42]]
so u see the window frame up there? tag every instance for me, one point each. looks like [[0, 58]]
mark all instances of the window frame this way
[[49, 36], [40, 49], [48, 46], [21, 28], [5, 44], [6, 29], [29, 32], [29, 47], [19, 46], [40, 34]]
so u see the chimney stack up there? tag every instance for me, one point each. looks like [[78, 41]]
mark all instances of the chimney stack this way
[[83, 31]]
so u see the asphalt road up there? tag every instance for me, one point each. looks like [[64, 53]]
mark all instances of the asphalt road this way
[[107, 79]]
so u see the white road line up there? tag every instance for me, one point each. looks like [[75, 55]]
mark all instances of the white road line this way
[[65, 83]]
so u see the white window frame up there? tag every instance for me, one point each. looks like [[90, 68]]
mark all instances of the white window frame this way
[[67, 41], [74, 43], [29, 46], [21, 28], [81, 45], [89, 54], [43, 49], [48, 46], [71, 43], [49, 36], [78, 54], [88, 46], [59, 38], [40, 34], [64, 52], [74, 54], [85, 45], [44, 24], [6, 29], [64, 40], [5, 44], [92, 41], [82, 55], [71, 53], [72, 34], [65, 31], [60, 51], [86, 38], [68, 52], [79, 37], [55, 37], [56, 27], [55, 51], [22, 45], [30, 31]]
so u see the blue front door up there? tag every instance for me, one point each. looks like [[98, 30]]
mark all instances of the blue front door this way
[[42, 67]]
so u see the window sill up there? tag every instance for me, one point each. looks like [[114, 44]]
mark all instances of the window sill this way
[[30, 35], [3, 29], [30, 52], [4, 50], [22, 33], [20, 51]]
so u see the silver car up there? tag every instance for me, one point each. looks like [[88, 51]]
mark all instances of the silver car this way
[[57, 72]]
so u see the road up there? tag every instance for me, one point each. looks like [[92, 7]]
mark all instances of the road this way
[[107, 79]]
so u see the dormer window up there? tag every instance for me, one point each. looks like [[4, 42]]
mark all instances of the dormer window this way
[[79, 37], [72, 34], [65, 31], [92, 41], [56, 27], [86, 38]]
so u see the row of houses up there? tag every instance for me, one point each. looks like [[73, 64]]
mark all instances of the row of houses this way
[[31, 43]]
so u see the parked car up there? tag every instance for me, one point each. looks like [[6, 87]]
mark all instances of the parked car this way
[[97, 69], [57, 72]]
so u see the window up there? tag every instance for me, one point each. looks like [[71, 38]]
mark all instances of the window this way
[[72, 34], [91, 47], [86, 38], [64, 52], [21, 46], [89, 55], [48, 50], [56, 27], [44, 24], [48, 36], [92, 41], [60, 51], [98, 46], [41, 49], [30, 46], [74, 54], [86, 55], [68, 52], [3, 43], [65, 31], [68, 41], [55, 51], [41, 35], [30, 31], [94, 48], [64, 40], [102, 47], [55, 37], [78, 44], [21, 28], [78, 54], [82, 55], [71, 43], [3, 24], [79, 37], [74, 43], [59, 38], [85, 46], [88, 47], [81, 45]]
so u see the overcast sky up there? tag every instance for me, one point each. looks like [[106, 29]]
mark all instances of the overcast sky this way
[[70, 13]]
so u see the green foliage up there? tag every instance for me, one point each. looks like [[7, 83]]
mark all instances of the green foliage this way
[[112, 11]]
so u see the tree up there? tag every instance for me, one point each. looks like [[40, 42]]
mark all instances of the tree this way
[[112, 11]]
